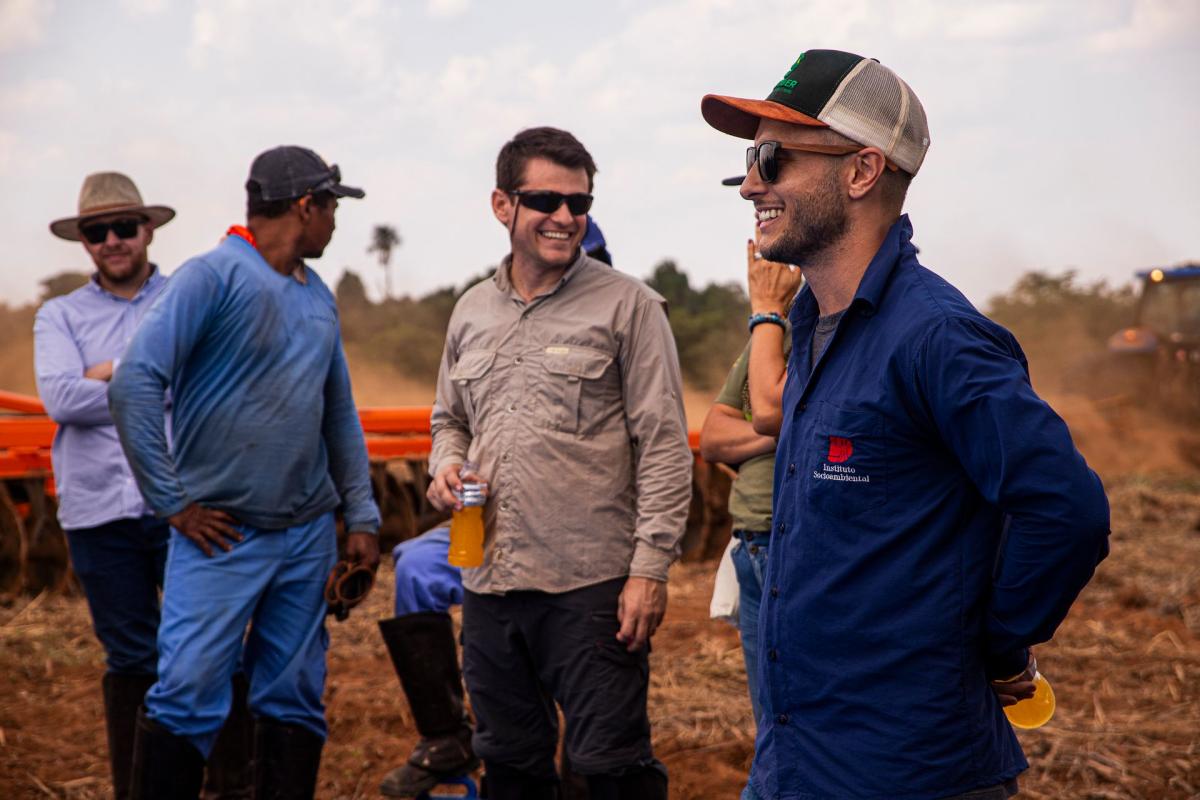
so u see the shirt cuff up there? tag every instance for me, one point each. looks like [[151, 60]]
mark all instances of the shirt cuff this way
[[649, 562], [1008, 665], [440, 458], [173, 509]]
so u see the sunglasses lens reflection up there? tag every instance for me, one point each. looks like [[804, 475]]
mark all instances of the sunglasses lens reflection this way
[[768, 168]]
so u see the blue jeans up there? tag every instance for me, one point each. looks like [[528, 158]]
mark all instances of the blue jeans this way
[[425, 580], [750, 564], [273, 580], [120, 565]]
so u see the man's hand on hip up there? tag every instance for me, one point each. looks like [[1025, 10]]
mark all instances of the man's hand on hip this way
[[363, 549], [206, 527], [640, 611], [1011, 691]]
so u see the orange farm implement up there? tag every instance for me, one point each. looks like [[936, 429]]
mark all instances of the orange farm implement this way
[[33, 552]]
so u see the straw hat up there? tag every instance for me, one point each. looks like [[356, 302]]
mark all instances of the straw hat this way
[[106, 193]]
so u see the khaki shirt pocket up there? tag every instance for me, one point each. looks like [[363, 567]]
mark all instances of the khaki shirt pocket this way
[[574, 376], [470, 375]]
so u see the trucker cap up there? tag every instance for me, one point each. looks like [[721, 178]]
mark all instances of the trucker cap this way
[[289, 171], [855, 96]]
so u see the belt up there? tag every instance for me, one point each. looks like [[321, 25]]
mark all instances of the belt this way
[[746, 536]]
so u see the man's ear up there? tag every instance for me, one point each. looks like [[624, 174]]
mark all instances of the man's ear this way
[[303, 207], [502, 207], [866, 168]]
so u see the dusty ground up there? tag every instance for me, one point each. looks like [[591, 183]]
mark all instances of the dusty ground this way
[[1125, 666]]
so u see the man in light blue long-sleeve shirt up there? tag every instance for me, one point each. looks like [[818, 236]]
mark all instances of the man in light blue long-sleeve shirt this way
[[118, 548], [266, 446]]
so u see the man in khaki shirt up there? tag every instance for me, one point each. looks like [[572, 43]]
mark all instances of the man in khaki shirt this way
[[560, 379]]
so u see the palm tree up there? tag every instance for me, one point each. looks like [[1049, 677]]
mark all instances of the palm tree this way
[[384, 238]]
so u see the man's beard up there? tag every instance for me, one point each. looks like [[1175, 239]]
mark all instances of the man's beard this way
[[814, 223], [123, 275]]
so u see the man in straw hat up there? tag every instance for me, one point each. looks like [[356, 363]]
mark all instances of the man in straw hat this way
[[933, 519], [117, 546], [266, 445]]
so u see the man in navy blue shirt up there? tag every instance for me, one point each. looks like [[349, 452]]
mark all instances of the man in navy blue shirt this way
[[933, 519]]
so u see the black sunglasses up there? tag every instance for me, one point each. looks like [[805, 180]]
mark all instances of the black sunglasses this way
[[767, 155], [97, 232], [548, 202], [333, 179]]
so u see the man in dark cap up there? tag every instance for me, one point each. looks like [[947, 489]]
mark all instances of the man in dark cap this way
[[932, 517], [266, 444]]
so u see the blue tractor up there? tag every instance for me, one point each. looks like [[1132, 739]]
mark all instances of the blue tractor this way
[[1160, 353]]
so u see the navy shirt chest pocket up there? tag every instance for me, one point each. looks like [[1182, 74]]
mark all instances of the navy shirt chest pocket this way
[[847, 462]]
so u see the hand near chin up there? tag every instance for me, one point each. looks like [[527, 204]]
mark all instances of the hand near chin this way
[[772, 285]]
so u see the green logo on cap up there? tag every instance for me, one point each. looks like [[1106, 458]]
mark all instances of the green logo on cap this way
[[787, 84]]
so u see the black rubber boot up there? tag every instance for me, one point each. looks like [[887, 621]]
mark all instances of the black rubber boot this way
[[635, 783], [505, 783], [165, 766], [426, 660], [573, 786], [230, 771], [286, 761], [123, 695]]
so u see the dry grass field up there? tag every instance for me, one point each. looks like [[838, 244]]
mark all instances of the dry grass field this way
[[1125, 665]]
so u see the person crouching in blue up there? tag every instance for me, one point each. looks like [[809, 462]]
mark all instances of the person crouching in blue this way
[[266, 445]]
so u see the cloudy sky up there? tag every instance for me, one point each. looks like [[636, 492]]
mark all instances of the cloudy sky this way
[[1063, 132]]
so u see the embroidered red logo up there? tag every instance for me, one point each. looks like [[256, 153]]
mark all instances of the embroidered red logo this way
[[839, 449]]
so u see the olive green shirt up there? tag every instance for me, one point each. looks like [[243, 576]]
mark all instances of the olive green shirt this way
[[571, 404], [750, 496]]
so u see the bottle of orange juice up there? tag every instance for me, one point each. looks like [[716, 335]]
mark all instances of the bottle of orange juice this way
[[1036, 711], [466, 524]]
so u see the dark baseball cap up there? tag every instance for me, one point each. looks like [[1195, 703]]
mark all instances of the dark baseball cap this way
[[289, 171], [855, 96]]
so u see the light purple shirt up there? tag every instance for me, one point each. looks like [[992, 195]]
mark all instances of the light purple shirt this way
[[71, 334]]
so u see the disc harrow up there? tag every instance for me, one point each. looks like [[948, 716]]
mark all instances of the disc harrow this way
[[33, 549]]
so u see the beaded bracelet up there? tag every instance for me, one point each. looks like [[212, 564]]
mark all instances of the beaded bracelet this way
[[770, 316]]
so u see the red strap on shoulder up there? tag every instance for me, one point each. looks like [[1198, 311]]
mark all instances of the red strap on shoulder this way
[[243, 232]]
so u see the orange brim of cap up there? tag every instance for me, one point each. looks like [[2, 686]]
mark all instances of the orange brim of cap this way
[[739, 116]]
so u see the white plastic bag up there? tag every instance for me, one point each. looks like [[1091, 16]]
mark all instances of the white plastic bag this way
[[725, 588]]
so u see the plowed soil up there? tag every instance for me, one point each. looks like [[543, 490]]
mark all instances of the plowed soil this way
[[1125, 667]]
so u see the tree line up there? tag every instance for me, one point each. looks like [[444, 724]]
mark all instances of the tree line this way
[[1057, 317]]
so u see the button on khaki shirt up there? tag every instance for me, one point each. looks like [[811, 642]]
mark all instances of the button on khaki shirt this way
[[571, 405]]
